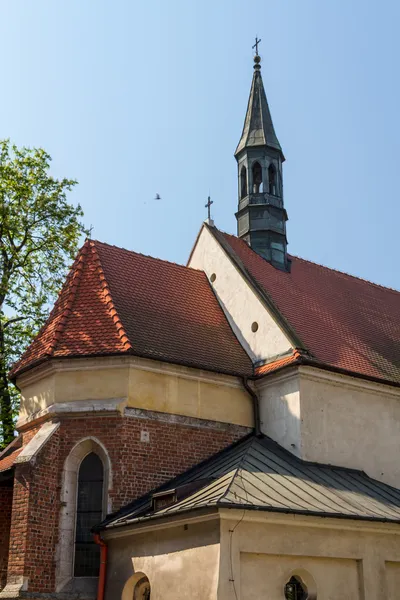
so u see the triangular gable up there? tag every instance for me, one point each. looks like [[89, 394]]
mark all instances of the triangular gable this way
[[242, 300]]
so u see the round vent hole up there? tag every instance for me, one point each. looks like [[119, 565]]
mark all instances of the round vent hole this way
[[254, 326], [213, 277]]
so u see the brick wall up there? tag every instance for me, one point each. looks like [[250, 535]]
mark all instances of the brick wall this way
[[137, 467], [6, 494]]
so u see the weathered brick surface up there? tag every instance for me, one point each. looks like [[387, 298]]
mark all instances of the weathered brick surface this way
[[137, 467], [6, 494]]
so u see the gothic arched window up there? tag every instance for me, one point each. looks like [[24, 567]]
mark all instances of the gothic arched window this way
[[295, 590], [89, 512], [272, 188], [243, 182], [257, 178]]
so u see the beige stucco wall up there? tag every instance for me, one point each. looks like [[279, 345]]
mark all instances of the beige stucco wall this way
[[337, 559], [335, 419], [280, 411], [352, 423], [250, 556], [138, 383], [179, 563], [240, 303]]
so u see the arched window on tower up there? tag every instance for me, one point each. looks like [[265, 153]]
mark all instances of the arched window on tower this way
[[272, 187], [89, 512], [257, 178], [243, 182]]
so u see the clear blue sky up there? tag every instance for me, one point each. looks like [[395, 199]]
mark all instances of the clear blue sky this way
[[133, 98]]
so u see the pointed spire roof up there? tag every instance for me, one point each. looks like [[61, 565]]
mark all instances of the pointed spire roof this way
[[258, 129]]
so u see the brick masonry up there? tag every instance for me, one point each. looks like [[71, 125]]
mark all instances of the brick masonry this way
[[137, 467], [6, 495]]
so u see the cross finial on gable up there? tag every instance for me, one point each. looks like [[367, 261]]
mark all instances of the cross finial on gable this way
[[208, 207]]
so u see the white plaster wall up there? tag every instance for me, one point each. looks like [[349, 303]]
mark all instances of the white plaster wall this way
[[280, 412], [352, 423], [238, 300], [334, 419]]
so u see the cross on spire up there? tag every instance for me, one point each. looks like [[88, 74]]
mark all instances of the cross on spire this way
[[208, 206], [256, 45]]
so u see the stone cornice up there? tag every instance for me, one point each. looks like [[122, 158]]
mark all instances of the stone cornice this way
[[311, 521], [117, 362], [315, 374]]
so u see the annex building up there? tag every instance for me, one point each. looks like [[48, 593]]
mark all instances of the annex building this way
[[225, 430]]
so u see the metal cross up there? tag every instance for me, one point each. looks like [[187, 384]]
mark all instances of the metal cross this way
[[208, 205], [256, 45], [90, 231]]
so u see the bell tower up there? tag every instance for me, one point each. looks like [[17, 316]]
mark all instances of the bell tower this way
[[261, 215]]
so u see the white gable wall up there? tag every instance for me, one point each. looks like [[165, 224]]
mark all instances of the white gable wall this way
[[240, 303]]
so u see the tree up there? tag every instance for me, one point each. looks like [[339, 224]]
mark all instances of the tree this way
[[39, 236]]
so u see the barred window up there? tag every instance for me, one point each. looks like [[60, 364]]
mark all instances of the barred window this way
[[295, 590], [89, 512]]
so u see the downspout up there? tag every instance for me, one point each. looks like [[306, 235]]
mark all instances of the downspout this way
[[103, 566], [256, 406]]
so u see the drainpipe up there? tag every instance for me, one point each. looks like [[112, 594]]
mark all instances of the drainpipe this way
[[256, 406], [103, 566]]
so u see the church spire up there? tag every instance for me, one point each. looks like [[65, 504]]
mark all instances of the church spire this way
[[258, 129], [261, 215]]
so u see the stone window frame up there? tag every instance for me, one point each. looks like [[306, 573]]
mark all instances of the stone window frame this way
[[130, 584], [67, 522]]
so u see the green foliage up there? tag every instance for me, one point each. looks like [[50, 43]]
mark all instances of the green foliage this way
[[39, 237]]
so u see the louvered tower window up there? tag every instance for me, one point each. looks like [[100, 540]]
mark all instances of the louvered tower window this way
[[257, 178], [89, 513], [243, 182], [294, 590]]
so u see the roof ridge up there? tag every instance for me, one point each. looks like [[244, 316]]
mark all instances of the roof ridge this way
[[156, 258], [373, 283], [108, 297], [238, 468], [74, 280]]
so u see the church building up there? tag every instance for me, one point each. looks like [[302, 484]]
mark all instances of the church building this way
[[224, 430]]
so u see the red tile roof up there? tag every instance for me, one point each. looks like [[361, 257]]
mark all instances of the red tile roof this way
[[279, 363], [119, 302], [342, 321], [9, 454]]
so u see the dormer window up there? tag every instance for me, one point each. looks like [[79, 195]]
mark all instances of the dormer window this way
[[257, 178], [163, 499], [272, 189]]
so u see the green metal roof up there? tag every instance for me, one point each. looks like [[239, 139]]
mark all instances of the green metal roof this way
[[256, 473]]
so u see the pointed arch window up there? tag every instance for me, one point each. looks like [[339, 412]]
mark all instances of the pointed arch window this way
[[257, 178], [89, 512], [272, 184], [243, 182]]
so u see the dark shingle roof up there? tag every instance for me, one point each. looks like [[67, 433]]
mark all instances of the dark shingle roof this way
[[257, 473], [115, 301]]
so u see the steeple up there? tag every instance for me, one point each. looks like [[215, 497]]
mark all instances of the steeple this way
[[261, 215]]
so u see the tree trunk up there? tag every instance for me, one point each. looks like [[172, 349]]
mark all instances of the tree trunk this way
[[6, 416]]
